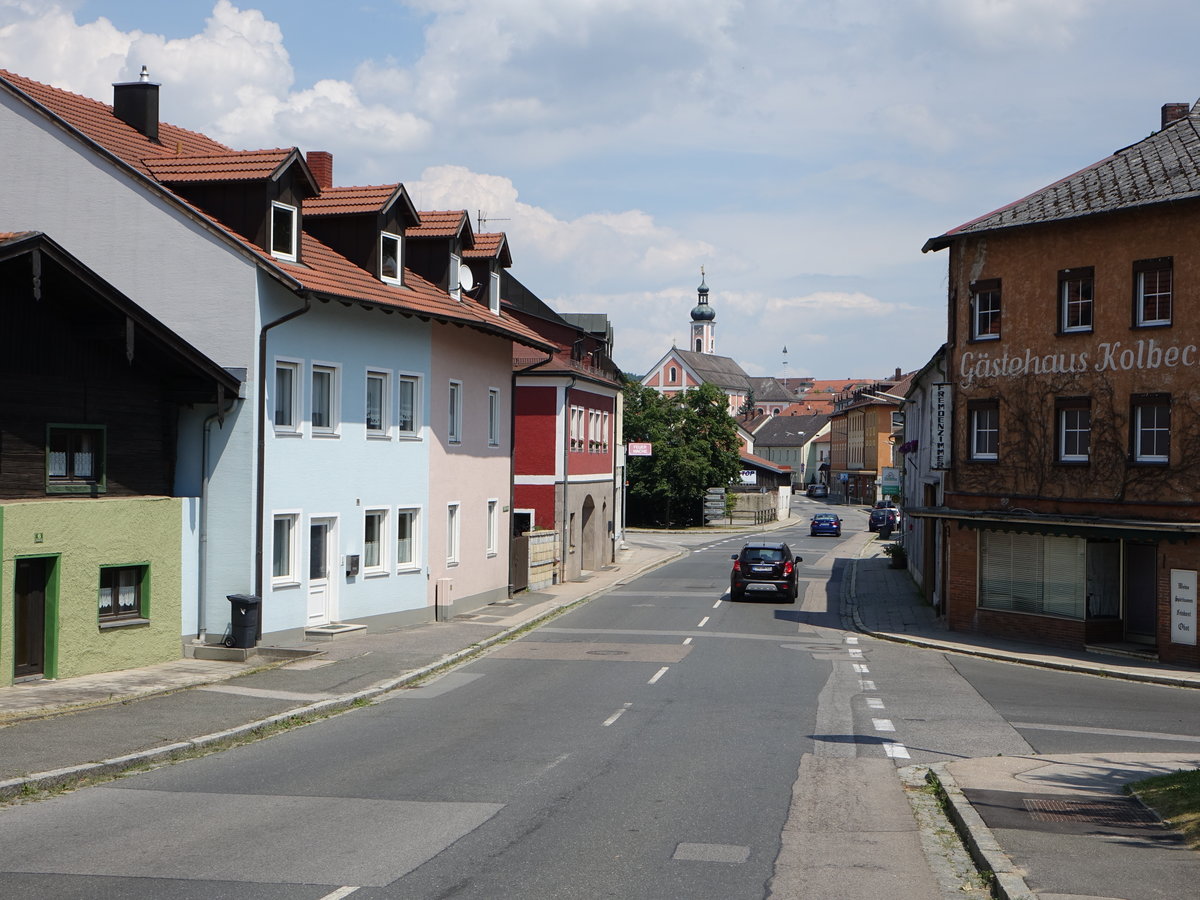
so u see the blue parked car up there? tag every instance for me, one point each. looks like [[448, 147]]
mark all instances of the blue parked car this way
[[825, 523]]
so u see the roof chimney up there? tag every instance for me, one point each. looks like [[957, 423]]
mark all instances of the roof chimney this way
[[898, 375], [321, 164], [136, 103], [1173, 112]]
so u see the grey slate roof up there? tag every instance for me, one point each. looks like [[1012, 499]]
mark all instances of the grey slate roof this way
[[1163, 167], [768, 389], [786, 431], [719, 370]]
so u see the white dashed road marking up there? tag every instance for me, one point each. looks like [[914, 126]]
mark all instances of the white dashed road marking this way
[[616, 715], [659, 674], [874, 703], [883, 725], [340, 893], [703, 622], [896, 751]]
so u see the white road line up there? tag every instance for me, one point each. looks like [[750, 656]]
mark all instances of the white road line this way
[[883, 724], [616, 715], [866, 685], [861, 669], [874, 703], [659, 674], [703, 622], [715, 605], [896, 751], [855, 654], [851, 640], [340, 893], [1115, 732], [686, 641]]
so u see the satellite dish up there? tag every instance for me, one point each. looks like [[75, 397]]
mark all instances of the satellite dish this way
[[466, 280]]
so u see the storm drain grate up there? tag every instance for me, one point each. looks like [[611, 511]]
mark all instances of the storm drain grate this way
[[1092, 812]]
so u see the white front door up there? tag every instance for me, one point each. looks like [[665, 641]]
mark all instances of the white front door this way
[[321, 559]]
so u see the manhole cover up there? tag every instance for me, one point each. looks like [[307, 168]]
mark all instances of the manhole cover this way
[[608, 653], [1093, 812]]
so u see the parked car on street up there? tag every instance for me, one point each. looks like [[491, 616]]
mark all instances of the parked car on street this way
[[883, 516], [817, 490], [761, 565], [825, 523]]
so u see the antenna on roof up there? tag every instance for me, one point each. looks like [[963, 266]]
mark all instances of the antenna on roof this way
[[480, 218]]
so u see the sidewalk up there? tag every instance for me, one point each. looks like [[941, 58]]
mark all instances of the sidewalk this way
[[1054, 827], [1059, 824]]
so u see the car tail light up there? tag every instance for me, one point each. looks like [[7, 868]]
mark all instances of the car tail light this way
[[787, 568], [737, 565]]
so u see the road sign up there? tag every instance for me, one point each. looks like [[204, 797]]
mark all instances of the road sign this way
[[639, 449]]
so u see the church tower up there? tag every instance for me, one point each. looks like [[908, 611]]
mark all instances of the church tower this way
[[704, 321]]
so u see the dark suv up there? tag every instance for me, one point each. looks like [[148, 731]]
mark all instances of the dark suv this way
[[766, 564], [883, 516]]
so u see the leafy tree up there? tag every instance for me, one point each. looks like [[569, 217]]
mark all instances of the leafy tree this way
[[747, 407], [696, 447]]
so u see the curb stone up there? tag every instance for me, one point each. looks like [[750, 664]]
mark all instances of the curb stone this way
[[1008, 883]]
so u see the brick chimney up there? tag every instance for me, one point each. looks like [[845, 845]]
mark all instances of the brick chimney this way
[[1173, 112], [321, 164], [136, 103]]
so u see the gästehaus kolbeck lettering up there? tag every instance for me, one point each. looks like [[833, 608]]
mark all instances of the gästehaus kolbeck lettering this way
[[1109, 356]]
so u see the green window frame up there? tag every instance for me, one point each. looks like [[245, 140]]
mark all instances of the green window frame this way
[[124, 593]]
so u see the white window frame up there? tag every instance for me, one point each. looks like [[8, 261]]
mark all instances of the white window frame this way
[[577, 440], [403, 379], [290, 578], [1067, 427], [494, 292], [454, 412], [382, 515], [385, 403], [493, 526], [334, 371], [295, 367], [1067, 282], [1140, 312], [604, 434], [1156, 427], [290, 253], [398, 278], [493, 417], [977, 432], [992, 314], [454, 285], [413, 514], [453, 532]]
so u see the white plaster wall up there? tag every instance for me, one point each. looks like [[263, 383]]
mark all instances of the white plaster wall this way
[[143, 245]]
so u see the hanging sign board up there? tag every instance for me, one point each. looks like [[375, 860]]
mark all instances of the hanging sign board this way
[[639, 449], [1183, 606], [941, 424]]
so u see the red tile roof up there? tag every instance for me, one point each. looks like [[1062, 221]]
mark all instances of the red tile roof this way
[[183, 156], [351, 200], [97, 122], [440, 223], [232, 165]]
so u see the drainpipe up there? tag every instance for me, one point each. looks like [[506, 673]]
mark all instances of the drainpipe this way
[[566, 508], [260, 489], [202, 562], [512, 454]]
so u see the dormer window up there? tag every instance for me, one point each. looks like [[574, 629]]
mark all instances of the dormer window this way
[[390, 260], [283, 231], [494, 292], [455, 285]]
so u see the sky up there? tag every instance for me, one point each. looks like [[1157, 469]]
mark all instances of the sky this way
[[801, 151]]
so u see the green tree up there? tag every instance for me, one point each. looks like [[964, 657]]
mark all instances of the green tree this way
[[696, 446]]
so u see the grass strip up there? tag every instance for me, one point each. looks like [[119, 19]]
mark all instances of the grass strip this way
[[1176, 799]]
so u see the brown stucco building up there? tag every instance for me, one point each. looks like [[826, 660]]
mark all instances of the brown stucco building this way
[[1074, 370]]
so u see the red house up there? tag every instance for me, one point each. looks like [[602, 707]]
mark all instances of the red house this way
[[567, 431]]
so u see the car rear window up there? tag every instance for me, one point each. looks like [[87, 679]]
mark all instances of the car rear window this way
[[762, 554]]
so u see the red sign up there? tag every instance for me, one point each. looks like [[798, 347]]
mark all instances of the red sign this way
[[639, 449]]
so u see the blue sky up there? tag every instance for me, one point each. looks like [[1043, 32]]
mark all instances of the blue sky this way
[[802, 151]]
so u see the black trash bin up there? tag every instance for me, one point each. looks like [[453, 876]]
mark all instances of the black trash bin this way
[[243, 622]]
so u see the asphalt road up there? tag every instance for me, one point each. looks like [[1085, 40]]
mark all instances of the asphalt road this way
[[658, 742]]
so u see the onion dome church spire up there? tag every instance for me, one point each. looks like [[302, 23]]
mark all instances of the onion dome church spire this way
[[704, 321]]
